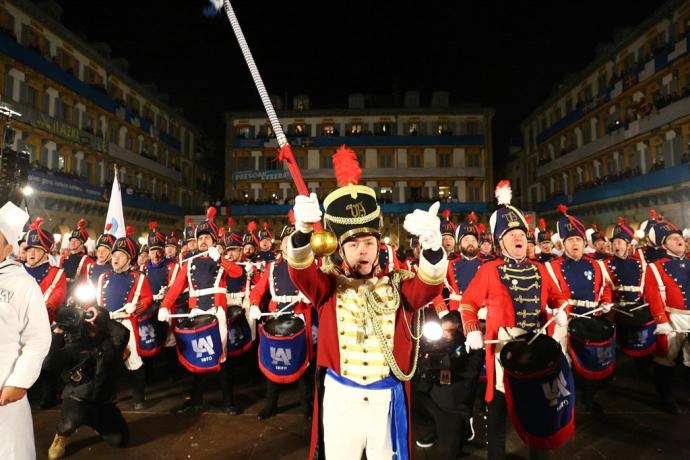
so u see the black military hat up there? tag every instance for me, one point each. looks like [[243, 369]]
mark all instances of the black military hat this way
[[351, 210], [36, 237], [106, 239], [155, 240], [208, 226], [127, 245], [80, 232], [289, 228]]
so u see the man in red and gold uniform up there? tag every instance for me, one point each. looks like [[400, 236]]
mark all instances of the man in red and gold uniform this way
[[364, 357], [667, 284], [76, 264], [518, 295]]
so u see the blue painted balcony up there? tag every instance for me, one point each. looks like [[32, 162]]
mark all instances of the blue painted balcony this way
[[366, 141], [620, 188], [247, 210]]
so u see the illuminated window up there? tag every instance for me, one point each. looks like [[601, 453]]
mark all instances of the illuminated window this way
[[328, 130], [356, 129]]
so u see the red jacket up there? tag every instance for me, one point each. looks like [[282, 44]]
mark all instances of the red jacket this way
[[487, 289], [667, 293], [83, 269], [263, 288], [54, 289], [145, 296], [602, 285], [182, 282]]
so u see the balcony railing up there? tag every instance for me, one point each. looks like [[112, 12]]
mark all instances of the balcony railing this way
[[643, 183], [127, 155], [386, 208], [359, 141]]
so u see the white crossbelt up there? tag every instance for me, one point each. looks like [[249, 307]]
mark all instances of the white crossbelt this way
[[677, 311], [206, 291], [628, 288], [583, 303], [236, 295]]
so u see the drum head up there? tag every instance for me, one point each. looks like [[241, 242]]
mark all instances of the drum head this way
[[196, 322], [640, 317], [234, 312], [592, 329], [521, 358], [283, 326]]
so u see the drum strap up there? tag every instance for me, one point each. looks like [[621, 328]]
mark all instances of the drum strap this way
[[51, 288], [391, 264], [176, 269], [81, 264], [604, 277], [662, 286], [99, 290], [644, 263], [137, 292], [549, 268], [271, 286]]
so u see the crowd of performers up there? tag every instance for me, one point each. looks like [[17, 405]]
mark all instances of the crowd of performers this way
[[549, 309]]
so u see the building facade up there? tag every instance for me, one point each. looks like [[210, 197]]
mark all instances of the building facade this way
[[81, 114], [410, 155], [613, 140]]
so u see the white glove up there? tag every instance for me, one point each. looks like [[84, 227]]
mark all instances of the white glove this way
[[663, 329], [213, 253], [474, 341], [254, 313], [130, 307], [163, 315], [307, 211], [196, 312], [442, 313], [606, 307], [426, 225], [118, 315], [249, 268], [560, 314]]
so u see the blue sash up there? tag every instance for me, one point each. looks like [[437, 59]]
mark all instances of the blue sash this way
[[398, 410]]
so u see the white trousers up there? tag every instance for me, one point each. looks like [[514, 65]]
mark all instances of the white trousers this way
[[16, 431], [355, 420], [675, 341], [133, 361]]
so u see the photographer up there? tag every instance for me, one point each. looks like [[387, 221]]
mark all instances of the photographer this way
[[444, 388], [87, 350]]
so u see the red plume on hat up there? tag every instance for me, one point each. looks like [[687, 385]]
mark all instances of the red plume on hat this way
[[81, 224], [36, 223], [346, 166], [562, 209], [189, 220], [264, 225], [542, 224], [211, 213], [231, 222], [221, 231], [446, 213], [481, 228], [472, 218], [251, 226], [528, 219], [595, 228], [291, 217], [129, 230], [153, 225]]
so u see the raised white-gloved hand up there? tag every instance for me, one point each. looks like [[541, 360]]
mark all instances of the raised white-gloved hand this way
[[442, 313], [130, 307], [426, 225], [606, 307], [196, 312], [474, 341], [254, 312], [663, 329], [560, 314], [307, 211], [163, 315], [213, 253], [249, 268]]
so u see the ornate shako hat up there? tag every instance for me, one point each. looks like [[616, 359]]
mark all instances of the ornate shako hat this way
[[156, 240], [290, 227], [250, 237], [594, 235], [171, 240], [233, 238], [469, 227], [447, 225], [80, 232], [189, 231], [543, 235], [265, 232], [623, 231], [208, 226], [507, 217], [569, 226], [127, 245], [647, 225], [36, 237], [106, 239], [351, 210], [661, 230], [530, 229]]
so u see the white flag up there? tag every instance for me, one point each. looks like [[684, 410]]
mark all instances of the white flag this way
[[115, 217]]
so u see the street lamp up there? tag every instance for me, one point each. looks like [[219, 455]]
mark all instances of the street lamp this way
[[27, 190]]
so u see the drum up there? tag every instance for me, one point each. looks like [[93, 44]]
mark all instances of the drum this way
[[239, 332], [149, 333], [283, 348], [199, 347], [540, 391], [635, 335], [592, 346]]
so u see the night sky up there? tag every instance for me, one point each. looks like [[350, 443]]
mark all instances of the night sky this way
[[503, 54]]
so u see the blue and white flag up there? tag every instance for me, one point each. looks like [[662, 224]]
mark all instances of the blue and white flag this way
[[115, 216]]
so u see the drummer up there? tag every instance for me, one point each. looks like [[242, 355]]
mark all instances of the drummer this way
[[205, 277], [412, 263], [276, 285], [583, 281], [516, 292], [626, 273], [104, 245], [265, 252], [171, 245], [189, 247], [545, 243], [124, 292]]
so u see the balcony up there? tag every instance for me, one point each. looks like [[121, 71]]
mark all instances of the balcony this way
[[655, 120], [386, 208], [366, 141], [645, 183], [150, 165]]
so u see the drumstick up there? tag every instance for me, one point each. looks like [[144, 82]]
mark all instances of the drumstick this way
[[195, 256], [591, 312], [623, 312], [638, 307], [280, 312], [503, 341], [580, 316], [189, 315]]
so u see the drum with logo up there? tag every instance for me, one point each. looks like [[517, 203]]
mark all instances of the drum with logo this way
[[199, 346], [635, 334], [592, 346], [150, 333], [284, 348], [540, 391], [239, 333]]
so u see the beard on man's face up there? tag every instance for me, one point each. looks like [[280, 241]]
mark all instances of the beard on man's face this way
[[469, 251]]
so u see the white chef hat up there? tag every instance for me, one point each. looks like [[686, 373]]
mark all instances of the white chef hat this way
[[12, 221]]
